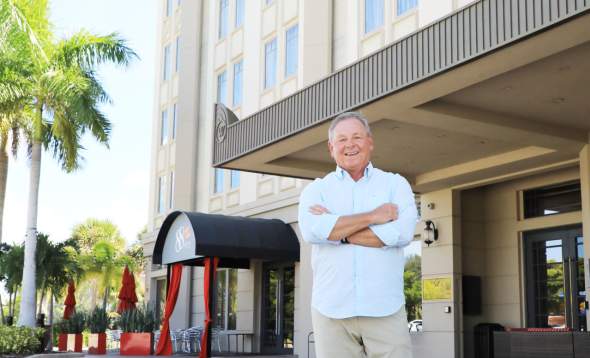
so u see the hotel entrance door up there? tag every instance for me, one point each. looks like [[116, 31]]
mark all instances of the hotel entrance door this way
[[278, 303], [556, 292]]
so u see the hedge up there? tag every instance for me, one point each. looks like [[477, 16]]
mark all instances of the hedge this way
[[20, 340]]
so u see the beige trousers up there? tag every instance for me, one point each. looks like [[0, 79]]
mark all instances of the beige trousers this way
[[355, 337]]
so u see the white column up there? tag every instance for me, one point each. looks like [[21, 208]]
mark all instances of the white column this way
[[585, 185]]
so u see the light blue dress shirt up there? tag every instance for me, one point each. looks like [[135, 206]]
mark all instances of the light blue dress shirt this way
[[352, 280]]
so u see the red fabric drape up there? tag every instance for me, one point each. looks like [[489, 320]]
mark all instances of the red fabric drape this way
[[164, 347], [127, 296], [210, 264], [70, 301]]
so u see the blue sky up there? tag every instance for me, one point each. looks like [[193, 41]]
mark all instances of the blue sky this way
[[113, 183]]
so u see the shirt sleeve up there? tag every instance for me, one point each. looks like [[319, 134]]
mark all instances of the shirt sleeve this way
[[399, 233], [315, 229]]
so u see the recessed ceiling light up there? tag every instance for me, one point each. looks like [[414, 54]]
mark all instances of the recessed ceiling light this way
[[558, 100]]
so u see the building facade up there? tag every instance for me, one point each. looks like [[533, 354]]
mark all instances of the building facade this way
[[480, 104]]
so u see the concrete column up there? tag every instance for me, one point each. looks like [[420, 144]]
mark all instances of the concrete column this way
[[441, 336], [585, 185]]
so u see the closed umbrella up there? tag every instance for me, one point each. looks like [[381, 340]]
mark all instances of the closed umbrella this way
[[70, 301], [127, 296]]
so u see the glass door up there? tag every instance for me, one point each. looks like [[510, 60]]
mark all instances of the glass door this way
[[278, 303], [556, 292]]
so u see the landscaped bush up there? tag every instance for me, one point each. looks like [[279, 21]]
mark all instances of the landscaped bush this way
[[98, 320], [137, 321], [76, 323], [20, 340]]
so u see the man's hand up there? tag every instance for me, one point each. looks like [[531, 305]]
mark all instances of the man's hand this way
[[384, 213], [318, 210]]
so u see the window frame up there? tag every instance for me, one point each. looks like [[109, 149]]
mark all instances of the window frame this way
[[406, 10], [270, 47], [164, 127], [171, 193], [222, 87], [295, 44], [239, 14], [226, 301], [161, 204], [166, 70], [173, 126], [374, 27], [238, 84], [233, 174], [218, 181], [223, 19]]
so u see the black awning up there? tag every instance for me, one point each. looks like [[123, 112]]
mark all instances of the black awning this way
[[188, 237]]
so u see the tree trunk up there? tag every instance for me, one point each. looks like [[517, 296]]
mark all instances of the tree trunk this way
[[50, 344], [40, 307], [105, 298], [3, 176], [1, 311], [28, 299]]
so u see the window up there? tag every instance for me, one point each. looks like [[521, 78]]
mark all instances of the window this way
[[227, 304], [373, 15], [218, 185], [268, 2], [291, 49], [270, 64], [161, 194], [221, 88], [239, 20], [166, 64], [171, 193], [174, 113], [223, 8], [169, 5], [177, 63], [403, 6], [237, 91], [160, 298], [164, 128], [234, 179], [554, 199]]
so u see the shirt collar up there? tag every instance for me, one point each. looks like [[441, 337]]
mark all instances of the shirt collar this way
[[341, 173]]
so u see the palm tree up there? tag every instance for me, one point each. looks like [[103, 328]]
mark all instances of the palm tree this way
[[63, 98], [11, 270]]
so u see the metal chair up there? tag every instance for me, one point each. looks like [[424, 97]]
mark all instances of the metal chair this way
[[191, 340], [215, 332]]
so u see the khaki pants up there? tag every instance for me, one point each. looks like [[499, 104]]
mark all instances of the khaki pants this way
[[355, 337]]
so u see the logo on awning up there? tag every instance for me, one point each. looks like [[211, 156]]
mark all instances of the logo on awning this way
[[182, 236]]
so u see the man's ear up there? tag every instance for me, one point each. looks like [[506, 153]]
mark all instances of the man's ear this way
[[331, 149]]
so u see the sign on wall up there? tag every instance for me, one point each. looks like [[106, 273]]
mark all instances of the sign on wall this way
[[436, 289]]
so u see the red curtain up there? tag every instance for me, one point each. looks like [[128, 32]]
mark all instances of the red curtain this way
[[210, 264], [165, 344]]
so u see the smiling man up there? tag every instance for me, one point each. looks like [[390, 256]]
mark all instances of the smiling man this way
[[358, 219]]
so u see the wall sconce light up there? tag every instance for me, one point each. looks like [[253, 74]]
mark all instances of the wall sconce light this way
[[430, 232]]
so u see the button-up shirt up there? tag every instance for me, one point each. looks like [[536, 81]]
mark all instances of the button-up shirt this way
[[352, 280]]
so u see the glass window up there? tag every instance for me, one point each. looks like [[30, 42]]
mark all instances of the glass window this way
[[373, 14], [218, 185], [166, 63], [234, 179], [169, 5], [413, 285], [237, 91], [268, 2], [164, 127], [270, 63], [554, 199], [160, 298], [221, 88], [223, 12], [226, 303], [239, 20], [171, 193], [161, 194], [291, 49], [174, 114], [177, 63], [403, 6]]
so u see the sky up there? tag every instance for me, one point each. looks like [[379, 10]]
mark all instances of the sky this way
[[112, 183]]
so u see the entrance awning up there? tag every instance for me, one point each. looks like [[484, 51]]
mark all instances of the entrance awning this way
[[189, 237]]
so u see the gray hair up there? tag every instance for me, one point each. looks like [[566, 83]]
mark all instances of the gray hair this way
[[348, 115]]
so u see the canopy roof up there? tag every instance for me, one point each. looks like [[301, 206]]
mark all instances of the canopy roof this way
[[188, 237]]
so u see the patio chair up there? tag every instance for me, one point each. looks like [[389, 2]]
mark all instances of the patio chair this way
[[215, 333], [176, 338], [191, 340], [114, 337]]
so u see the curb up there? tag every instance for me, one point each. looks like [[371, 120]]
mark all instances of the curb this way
[[58, 355]]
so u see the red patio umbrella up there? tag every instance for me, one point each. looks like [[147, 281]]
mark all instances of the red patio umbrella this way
[[127, 296], [70, 302]]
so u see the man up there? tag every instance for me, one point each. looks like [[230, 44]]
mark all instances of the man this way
[[358, 219]]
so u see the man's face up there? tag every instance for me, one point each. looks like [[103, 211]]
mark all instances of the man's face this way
[[351, 145]]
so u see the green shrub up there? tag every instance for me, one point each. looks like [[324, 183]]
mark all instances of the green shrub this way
[[98, 320], [137, 321], [20, 340], [76, 323]]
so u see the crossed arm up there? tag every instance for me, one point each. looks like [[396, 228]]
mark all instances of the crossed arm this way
[[356, 227]]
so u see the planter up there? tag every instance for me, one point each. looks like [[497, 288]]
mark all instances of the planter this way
[[136, 344], [97, 343], [62, 342], [74, 342]]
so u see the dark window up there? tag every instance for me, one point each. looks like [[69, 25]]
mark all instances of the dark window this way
[[550, 200]]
